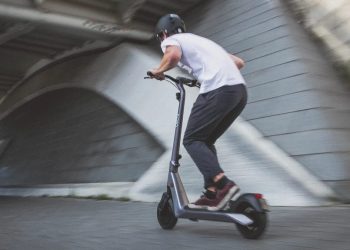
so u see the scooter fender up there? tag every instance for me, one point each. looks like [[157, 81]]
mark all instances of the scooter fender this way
[[248, 198]]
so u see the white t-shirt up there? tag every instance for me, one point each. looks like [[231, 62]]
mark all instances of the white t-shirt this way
[[207, 61]]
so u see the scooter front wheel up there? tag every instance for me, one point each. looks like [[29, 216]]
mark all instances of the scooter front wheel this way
[[165, 213], [257, 228]]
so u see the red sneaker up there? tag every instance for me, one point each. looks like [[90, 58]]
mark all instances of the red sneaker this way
[[203, 203], [225, 194]]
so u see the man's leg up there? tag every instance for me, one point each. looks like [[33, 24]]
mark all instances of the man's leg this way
[[201, 123], [226, 188], [208, 114]]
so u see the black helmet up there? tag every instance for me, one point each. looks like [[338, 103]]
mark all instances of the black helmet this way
[[170, 24]]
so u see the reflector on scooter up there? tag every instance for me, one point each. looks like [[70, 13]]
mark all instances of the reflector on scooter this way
[[258, 196]]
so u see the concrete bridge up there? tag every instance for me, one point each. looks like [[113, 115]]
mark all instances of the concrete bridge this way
[[77, 117]]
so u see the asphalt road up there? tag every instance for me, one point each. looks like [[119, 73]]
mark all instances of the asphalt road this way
[[66, 223]]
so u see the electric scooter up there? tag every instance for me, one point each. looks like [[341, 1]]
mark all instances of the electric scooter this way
[[248, 211]]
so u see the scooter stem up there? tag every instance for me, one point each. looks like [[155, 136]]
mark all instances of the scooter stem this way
[[178, 192], [175, 156]]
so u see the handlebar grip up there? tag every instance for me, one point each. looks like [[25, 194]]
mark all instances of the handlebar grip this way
[[149, 73]]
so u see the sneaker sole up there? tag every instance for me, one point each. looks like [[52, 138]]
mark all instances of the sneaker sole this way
[[193, 206]]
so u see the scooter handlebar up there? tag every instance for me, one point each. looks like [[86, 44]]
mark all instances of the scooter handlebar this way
[[183, 80], [149, 75]]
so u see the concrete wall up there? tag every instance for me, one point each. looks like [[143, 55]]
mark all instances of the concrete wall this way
[[73, 135], [295, 98]]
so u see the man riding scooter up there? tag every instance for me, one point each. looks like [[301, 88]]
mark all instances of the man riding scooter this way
[[221, 99]]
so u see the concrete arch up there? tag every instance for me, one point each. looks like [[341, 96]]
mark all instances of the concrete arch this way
[[73, 135]]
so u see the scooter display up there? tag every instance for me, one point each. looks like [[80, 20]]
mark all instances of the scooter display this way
[[248, 211]]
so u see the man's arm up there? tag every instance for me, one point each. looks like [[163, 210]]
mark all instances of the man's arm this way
[[238, 61], [171, 57]]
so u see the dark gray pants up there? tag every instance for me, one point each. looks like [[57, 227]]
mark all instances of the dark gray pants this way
[[211, 115]]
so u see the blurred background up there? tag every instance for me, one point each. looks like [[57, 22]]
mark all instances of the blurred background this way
[[77, 118]]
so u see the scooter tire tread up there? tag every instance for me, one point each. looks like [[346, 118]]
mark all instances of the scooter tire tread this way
[[165, 215]]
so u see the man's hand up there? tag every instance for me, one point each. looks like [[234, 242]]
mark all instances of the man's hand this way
[[238, 61], [158, 75]]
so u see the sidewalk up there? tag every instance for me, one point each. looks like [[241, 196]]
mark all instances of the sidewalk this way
[[62, 223]]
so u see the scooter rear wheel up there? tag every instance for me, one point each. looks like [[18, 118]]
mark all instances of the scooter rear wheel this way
[[165, 214], [256, 229]]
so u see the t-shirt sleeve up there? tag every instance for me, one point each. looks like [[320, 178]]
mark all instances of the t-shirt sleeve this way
[[169, 42]]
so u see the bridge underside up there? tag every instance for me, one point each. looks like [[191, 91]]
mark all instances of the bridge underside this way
[[84, 114]]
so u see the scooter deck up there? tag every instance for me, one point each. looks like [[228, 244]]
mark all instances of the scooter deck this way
[[223, 216]]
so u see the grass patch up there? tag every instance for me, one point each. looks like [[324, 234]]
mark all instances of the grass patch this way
[[106, 197], [100, 197], [97, 197], [124, 199]]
